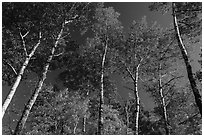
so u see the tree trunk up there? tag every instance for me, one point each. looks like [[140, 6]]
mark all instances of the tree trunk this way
[[137, 99], [19, 77], [127, 117], [75, 128], [167, 130], [198, 98], [84, 118], [84, 124], [28, 107], [100, 119]]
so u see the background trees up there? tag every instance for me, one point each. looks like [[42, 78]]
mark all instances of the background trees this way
[[85, 97], [186, 17]]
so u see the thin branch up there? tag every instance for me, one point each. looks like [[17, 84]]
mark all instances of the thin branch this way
[[129, 72], [170, 73], [165, 51], [168, 90], [171, 80], [24, 45], [141, 62], [70, 20], [188, 119], [83, 10], [44, 99], [25, 34], [184, 11], [73, 6], [11, 67], [59, 53], [128, 88], [40, 36], [64, 36], [127, 69], [141, 79]]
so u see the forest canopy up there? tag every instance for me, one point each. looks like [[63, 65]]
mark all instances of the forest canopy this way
[[65, 64]]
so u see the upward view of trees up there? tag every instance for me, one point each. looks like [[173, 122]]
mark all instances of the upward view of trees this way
[[40, 38]]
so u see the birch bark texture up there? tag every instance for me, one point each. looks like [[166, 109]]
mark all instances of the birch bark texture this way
[[189, 15], [29, 105], [101, 103], [107, 30], [137, 100], [198, 98], [167, 130], [20, 74]]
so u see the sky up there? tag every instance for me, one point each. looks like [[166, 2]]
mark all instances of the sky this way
[[128, 12]]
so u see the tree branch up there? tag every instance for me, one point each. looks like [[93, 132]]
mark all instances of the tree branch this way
[[141, 61], [187, 10], [171, 80], [70, 20], [188, 119], [128, 88], [64, 36], [168, 90], [24, 45], [11, 67], [129, 72], [59, 53], [127, 69], [165, 51]]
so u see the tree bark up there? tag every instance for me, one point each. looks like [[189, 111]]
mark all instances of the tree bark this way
[[198, 98], [84, 124], [19, 77], [127, 117], [167, 130], [84, 118], [100, 119], [75, 128], [137, 99], [28, 107]]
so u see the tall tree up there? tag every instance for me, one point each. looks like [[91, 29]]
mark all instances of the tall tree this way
[[65, 13], [182, 47], [20, 74], [24, 28], [187, 21], [106, 30], [135, 54], [164, 73]]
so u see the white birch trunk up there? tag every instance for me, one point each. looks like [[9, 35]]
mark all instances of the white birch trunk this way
[[100, 122], [198, 98], [34, 96], [163, 103], [137, 99], [18, 79]]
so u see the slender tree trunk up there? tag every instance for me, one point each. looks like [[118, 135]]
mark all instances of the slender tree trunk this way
[[127, 118], [19, 77], [84, 124], [75, 128], [163, 103], [198, 98], [137, 99], [28, 107], [100, 119], [84, 118]]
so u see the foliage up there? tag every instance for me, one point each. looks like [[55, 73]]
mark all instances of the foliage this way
[[70, 108], [58, 114], [188, 14]]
